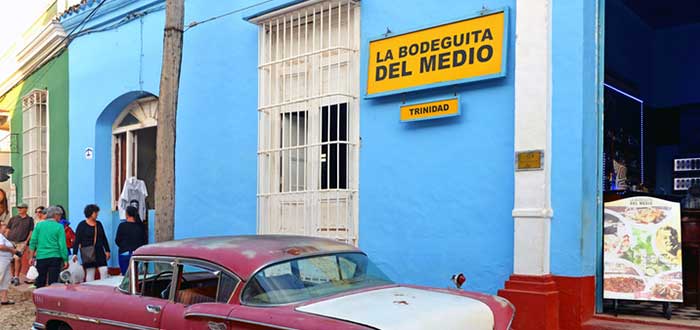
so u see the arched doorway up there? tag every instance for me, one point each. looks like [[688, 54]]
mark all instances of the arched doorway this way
[[134, 148]]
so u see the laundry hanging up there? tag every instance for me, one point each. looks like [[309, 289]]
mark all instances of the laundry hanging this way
[[133, 194]]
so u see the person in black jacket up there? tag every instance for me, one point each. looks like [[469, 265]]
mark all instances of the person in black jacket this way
[[131, 234], [85, 236]]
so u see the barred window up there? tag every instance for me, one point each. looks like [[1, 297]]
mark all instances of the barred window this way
[[308, 121], [34, 149]]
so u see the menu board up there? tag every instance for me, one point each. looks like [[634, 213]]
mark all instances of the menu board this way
[[642, 250]]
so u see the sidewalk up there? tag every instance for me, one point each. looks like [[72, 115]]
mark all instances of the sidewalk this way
[[637, 323], [21, 314]]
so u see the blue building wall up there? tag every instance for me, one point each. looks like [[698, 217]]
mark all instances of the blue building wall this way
[[217, 117], [574, 138], [105, 76], [439, 192]]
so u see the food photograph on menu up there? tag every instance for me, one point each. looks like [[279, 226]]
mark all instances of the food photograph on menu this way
[[642, 250]]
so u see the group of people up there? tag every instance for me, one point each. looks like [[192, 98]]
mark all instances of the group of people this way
[[51, 242]]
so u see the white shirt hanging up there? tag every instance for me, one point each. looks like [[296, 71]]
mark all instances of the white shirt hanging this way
[[134, 193]]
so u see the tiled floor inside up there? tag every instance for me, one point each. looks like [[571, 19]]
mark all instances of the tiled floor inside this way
[[650, 309]]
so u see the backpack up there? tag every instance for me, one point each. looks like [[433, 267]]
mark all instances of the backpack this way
[[70, 236]]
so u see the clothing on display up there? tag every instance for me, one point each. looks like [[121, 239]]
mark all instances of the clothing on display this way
[[133, 194]]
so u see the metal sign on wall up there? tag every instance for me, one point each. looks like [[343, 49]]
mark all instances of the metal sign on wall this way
[[430, 110], [466, 50]]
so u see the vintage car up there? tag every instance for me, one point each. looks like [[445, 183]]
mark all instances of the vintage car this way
[[261, 282]]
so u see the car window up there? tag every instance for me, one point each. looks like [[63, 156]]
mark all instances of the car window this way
[[125, 285], [153, 278], [199, 284], [312, 277]]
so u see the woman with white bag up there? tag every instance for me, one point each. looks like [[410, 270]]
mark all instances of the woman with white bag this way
[[91, 241], [7, 250]]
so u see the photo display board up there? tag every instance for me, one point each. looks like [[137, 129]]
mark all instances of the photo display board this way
[[642, 250]]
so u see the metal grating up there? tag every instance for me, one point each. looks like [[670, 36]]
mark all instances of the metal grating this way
[[308, 122], [34, 149], [686, 164], [681, 184]]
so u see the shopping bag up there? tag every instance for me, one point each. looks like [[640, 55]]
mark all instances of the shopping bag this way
[[32, 273], [77, 274]]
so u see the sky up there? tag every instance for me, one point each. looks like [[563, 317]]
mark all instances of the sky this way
[[21, 15]]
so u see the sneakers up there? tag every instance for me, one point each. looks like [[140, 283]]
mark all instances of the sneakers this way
[[15, 281]]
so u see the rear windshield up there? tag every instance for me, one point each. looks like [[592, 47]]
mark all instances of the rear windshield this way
[[312, 277]]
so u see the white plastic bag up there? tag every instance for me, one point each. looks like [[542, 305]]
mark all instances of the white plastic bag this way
[[32, 273], [77, 274]]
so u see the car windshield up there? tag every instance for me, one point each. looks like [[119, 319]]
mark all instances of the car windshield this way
[[312, 277]]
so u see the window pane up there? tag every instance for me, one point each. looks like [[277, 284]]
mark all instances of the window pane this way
[[227, 285], [126, 281], [119, 170], [313, 277], [154, 278], [293, 134], [146, 161], [201, 285], [129, 119], [334, 168]]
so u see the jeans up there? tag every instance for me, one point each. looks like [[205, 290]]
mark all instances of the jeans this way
[[124, 261], [49, 269]]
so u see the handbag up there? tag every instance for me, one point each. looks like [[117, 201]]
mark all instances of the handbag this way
[[88, 253]]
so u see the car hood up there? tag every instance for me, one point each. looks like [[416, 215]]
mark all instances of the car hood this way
[[406, 309], [112, 281]]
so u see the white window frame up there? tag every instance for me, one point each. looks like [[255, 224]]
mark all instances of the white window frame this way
[[308, 59], [34, 101], [146, 111]]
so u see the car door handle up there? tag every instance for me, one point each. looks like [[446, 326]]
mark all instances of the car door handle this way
[[153, 309]]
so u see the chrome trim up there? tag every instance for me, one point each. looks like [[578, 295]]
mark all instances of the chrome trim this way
[[82, 318], [127, 325], [279, 261], [173, 280], [38, 326], [69, 316], [235, 319], [220, 317]]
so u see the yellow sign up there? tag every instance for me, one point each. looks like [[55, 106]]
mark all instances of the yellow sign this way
[[530, 160], [461, 51], [430, 110]]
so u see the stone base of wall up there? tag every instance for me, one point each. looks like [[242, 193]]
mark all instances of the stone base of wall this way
[[550, 302]]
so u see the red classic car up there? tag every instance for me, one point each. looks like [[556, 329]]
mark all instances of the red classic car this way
[[261, 282]]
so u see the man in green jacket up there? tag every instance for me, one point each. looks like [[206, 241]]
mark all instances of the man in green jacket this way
[[48, 243]]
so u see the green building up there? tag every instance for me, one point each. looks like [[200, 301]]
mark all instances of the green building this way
[[34, 97]]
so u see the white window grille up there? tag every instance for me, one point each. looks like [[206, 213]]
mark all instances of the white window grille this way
[[34, 149], [308, 121], [134, 147]]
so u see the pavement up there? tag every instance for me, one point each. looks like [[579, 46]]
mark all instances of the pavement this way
[[21, 314], [638, 323]]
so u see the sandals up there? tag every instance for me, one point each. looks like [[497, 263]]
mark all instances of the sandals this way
[[9, 302]]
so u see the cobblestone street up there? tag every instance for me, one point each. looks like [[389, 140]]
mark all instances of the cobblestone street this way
[[20, 315]]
